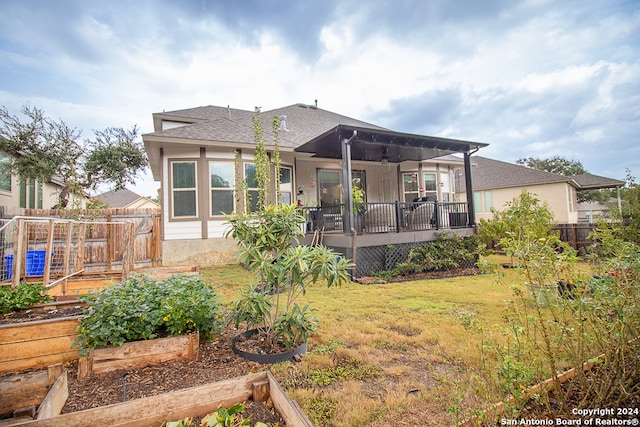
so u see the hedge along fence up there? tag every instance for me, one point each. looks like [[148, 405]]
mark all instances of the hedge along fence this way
[[92, 241]]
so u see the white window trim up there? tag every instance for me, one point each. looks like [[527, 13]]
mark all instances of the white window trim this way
[[174, 190]]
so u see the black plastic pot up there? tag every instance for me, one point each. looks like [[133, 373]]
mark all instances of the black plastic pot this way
[[265, 358]]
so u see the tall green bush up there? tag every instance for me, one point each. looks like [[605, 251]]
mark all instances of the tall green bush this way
[[141, 308], [547, 331]]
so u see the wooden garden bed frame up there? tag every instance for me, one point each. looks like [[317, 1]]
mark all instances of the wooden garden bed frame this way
[[190, 402], [40, 395], [37, 344], [138, 354]]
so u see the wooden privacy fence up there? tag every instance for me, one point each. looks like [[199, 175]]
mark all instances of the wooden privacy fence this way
[[576, 235], [42, 244]]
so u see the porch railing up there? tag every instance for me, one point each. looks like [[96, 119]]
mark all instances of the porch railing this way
[[394, 217]]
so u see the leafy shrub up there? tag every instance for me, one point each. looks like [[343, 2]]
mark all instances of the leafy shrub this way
[[594, 312], [446, 253], [140, 308], [22, 296]]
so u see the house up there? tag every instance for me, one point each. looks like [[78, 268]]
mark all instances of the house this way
[[126, 199], [29, 194], [593, 211], [202, 155], [495, 183]]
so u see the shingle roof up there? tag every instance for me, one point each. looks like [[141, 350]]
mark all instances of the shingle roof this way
[[207, 112], [118, 199], [491, 174], [302, 121], [588, 181]]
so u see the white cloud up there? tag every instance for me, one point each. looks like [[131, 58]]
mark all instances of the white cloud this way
[[531, 78]]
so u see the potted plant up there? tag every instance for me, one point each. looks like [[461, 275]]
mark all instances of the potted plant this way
[[268, 239], [359, 206]]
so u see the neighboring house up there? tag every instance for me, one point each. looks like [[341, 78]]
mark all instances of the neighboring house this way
[[593, 211], [29, 194], [202, 155], [126, 199], [495, 183]]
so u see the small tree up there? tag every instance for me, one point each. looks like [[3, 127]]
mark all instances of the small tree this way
[[563, 316], [42, 148], [268, 239]]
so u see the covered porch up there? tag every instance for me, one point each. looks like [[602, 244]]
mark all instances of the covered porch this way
[[373, 227]]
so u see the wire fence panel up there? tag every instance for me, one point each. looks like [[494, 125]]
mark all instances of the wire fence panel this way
[[54, 247]]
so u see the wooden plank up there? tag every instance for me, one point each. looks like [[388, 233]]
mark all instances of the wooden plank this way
[[54, 371], [138, 354], [37, 362], [55, 399], [261, 390], [36, 348], [289, 410], [82, 234], [38, 329], [47, 258], [14, 421], [154, 410], [19, 391], [18, 256], [37, 344]]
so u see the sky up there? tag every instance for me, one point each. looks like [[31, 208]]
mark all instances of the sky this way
[[532, 78]]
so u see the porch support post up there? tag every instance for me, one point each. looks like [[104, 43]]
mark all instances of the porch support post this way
[[469, 187], [347, 194]]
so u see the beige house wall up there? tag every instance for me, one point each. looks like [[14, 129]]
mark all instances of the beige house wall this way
[[143, 203], [560, 197], [12, 198]]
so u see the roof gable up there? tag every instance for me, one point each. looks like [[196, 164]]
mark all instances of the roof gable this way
[[302, 123], [118, 198]]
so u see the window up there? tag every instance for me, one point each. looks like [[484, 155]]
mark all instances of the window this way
[[430, 186], [183, 179], [410, 186], [488, 201], [286, 186], [222, 184], [329, 187], [482, 196], [30, 194], [5, 173]]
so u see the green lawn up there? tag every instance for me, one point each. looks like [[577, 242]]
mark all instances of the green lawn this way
[[389, 354]]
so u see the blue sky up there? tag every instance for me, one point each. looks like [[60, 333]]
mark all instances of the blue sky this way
[[531, 78]]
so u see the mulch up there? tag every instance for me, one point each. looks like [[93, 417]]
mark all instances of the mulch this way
[[216, 362]]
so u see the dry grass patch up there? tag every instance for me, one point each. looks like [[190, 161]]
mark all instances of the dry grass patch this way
[[389, 354]]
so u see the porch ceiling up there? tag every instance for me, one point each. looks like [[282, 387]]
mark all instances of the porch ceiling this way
[[384, 145]]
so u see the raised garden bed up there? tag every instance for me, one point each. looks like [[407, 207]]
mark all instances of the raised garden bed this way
[[138, 354], [34, 395], [190, 402], [37, 344]]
